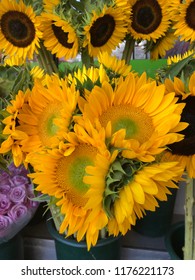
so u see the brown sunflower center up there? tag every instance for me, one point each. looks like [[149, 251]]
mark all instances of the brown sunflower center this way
[[135, 121], [71, 171], [146, 16], [101, 30], [61, 36], [186, 147], [17, 28], [190, 18]]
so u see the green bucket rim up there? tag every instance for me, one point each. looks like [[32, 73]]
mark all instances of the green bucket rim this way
[[70, 241], [169, 237]]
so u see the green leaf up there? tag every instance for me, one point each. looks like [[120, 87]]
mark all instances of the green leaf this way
[[176, 68], [116, 166]]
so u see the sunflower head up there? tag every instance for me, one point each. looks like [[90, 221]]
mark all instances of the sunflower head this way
[[149, 19], [66, 168], [115, 68], [104, 30], [59, 36], [184, 151], [19, 30], [184, 21]]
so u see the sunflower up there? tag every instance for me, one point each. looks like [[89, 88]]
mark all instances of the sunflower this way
[[185, 26], [176, 86], [149, 185], [147, 118], [105, 30], [125, 5], [184, 151], [162, 45], [14, 136], [83, 75], [13, 60], [49, 5], [180, 83], [48, 114], [174, 8], [149, 19], [59, 36], [19, 30], [126, 188], [85, 79], [116, 66], [37, 72], [62, 178], [178, 57]]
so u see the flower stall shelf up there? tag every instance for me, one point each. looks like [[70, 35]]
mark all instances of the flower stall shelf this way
[[96, 137], [16, 210]]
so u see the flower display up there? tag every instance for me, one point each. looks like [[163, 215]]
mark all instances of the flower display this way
[[96, 137], [16, 204]]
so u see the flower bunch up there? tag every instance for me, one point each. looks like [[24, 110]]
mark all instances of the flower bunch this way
[[16, 204], [96, 141], [95, 136]]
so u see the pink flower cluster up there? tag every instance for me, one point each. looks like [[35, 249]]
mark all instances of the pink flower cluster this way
[[16, 204]]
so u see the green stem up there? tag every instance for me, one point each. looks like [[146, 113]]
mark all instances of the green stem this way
[[128, 49], [189, 243], [46, 61], [55, 213], [86, 59]]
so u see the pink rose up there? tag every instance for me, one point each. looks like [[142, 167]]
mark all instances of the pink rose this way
[[18, 213], [18, 194], [5, 189], [19, 180], [4, 178], [4, 203]]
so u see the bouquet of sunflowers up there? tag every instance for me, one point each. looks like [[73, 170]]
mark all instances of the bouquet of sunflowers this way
[[96, 136]]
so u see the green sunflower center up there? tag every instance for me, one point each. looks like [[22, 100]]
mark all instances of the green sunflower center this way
[[71, 171], [147, 16], [189, 18], [47, 127], [135, 121], [101, 30], [17, 28], [62, 36]]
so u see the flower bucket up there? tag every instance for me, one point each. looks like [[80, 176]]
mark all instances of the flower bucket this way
[[70, 249], [174, 241], [12, 249], [156, 224]]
